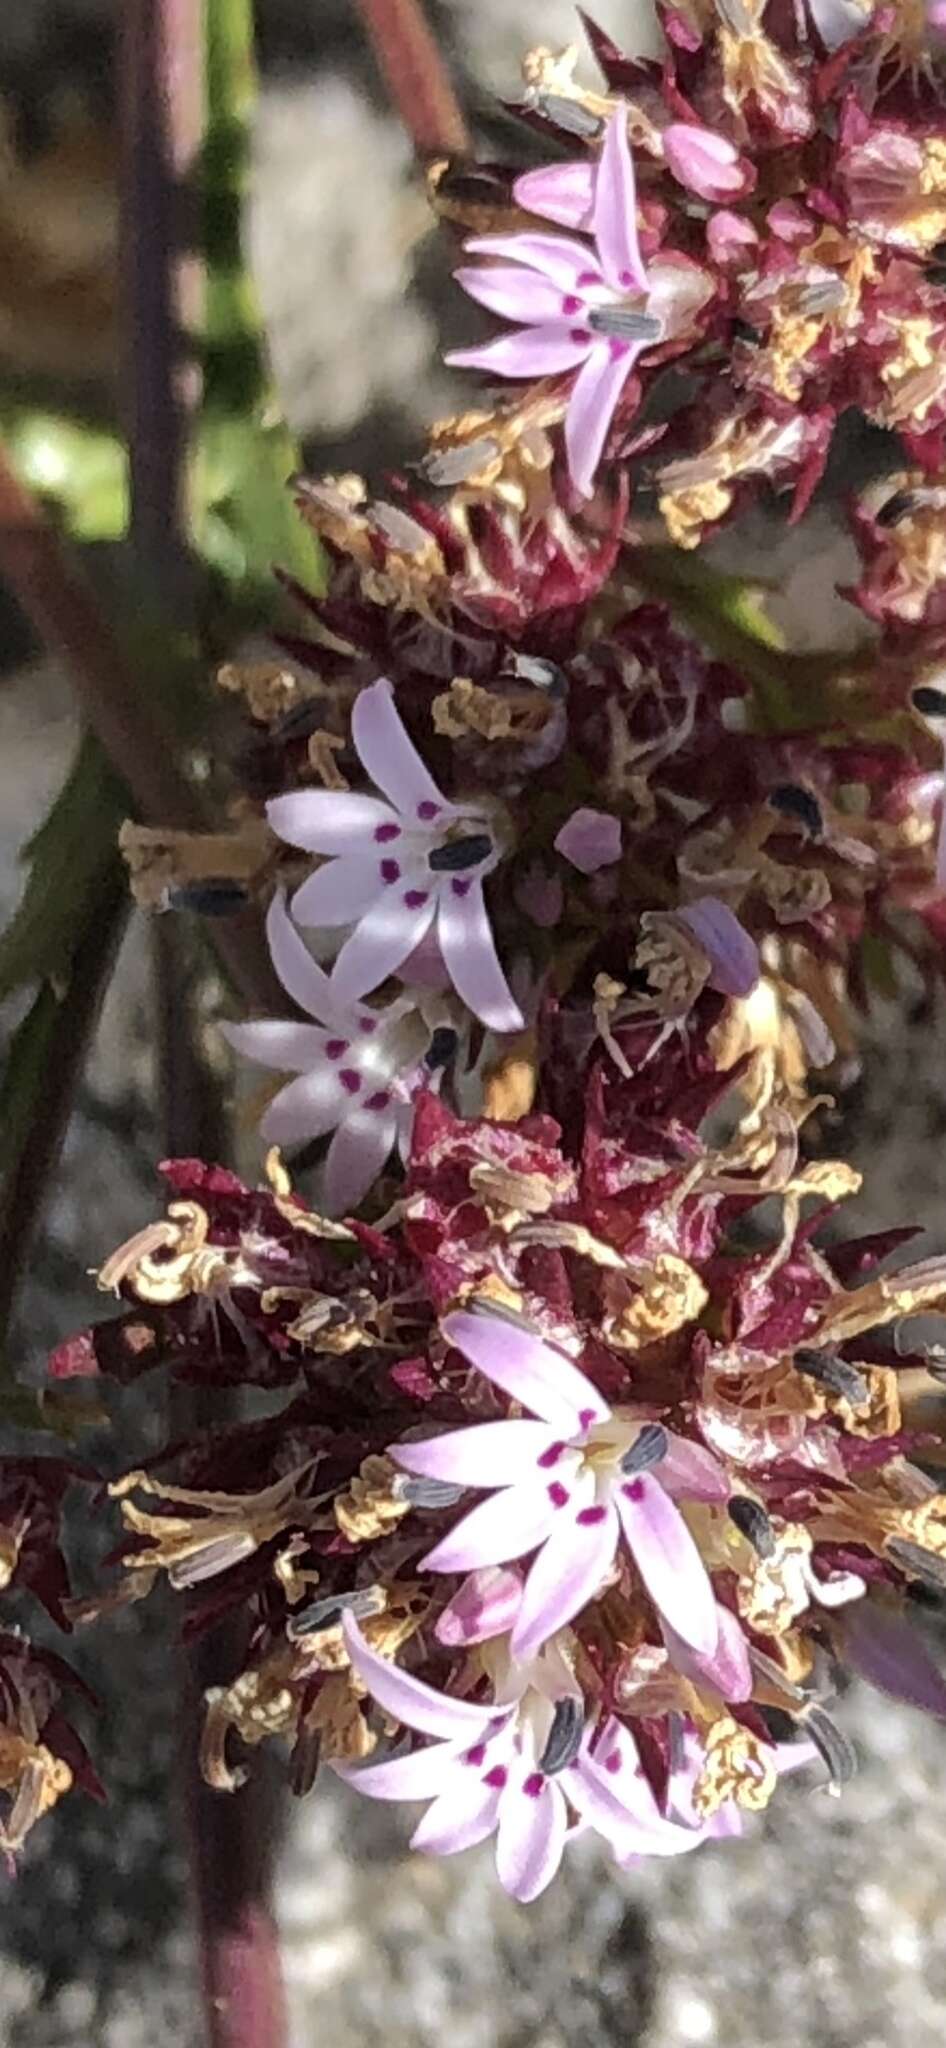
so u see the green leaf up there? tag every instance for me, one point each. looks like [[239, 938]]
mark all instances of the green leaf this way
[[81, 470], [71, 858], [245, 518]]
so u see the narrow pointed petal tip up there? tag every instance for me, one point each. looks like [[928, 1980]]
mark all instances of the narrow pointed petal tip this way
[[615, 208], [732, 953], [527, 1369], [567, 1573], [387, 753], [669, 1562], [408, 1699], [466, 941]]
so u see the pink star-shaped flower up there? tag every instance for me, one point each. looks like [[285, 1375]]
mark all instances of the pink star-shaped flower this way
[[569, 1486], [398, 868], [594, 309]]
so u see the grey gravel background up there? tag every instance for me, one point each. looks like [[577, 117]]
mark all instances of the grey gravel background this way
[[825, 1928]]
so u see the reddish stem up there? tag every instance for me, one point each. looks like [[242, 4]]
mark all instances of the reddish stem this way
[[416, 76]]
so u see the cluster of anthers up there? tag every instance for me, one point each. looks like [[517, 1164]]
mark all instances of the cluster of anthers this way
[[583, 1470]]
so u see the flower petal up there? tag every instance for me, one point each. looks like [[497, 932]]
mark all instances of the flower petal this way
[[591, 407], [531, 1372], [883, 1647], [507, 1525], [423, 1775], [391, 928], [469, 951], [485, 1605], [614, 216], [562, 261], [462, 1816], [668, 1561], [732, 953], [560, 192], [690, 1472], [289, 1048], [327, 820], [489, 1454], [728, 1669], [361, 1147], [387, 753], [529, 352], [567, 1573], [589, 840], [305, 1109], [705, 162], [301, 976], [513, 293], [408, 1699], [340, 892], [530, 1838]]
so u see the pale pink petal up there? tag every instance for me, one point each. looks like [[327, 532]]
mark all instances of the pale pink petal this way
[[340, 892], [590, 840], [301, 977], [408, 1699], [560, 192], [530, 1838], [485, 1605], [305, 1109], [730, 238], [561, 261], [529, 352], [704, 162], [489, 1454], [731, 951], [679, 289], [614, 216], [396, 922], [361, 1147], [469, 951], [462, 1816], [422, 1775], [566, 1574], [531, 1372], [668, 1561], [289, 1048], [328, 821], [690, 1472], [502, 1528], [514, 294], [387, 754], [591, 407], [609, 1786], [727, 1669]]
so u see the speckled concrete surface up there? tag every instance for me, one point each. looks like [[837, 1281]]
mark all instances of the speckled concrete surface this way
[[825, 1927]]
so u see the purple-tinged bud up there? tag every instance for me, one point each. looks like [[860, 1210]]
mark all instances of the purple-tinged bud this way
[[732, 953], [486, 1605], [881, 1646], [705, 163], [590, 840]]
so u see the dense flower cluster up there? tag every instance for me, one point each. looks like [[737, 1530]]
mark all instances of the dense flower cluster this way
[[589, 1470]]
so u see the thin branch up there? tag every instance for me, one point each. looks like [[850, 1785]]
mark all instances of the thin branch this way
[[416, 76]]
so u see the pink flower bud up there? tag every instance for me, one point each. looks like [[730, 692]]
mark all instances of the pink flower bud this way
[[733, 955], [486, 1605], [590, 840], [560, 192], [731, 239], [704, 162]]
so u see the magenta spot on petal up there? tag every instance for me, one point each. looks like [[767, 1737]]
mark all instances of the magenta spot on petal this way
[[496, 1777], [588, 277], [579, 334], [551, 1456], [460, 888], [634, 1490], [627, 278], [558, 1494], [390, 872], [427, 810], [367, 1025], [571, 303], [534, 1785], [586, 1417], [475, 1755], [589, 1516], [617, 349], [612, 1762], [350, 1081], [378, 1101], [335, 1047], [415, 898], [385, 832]]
